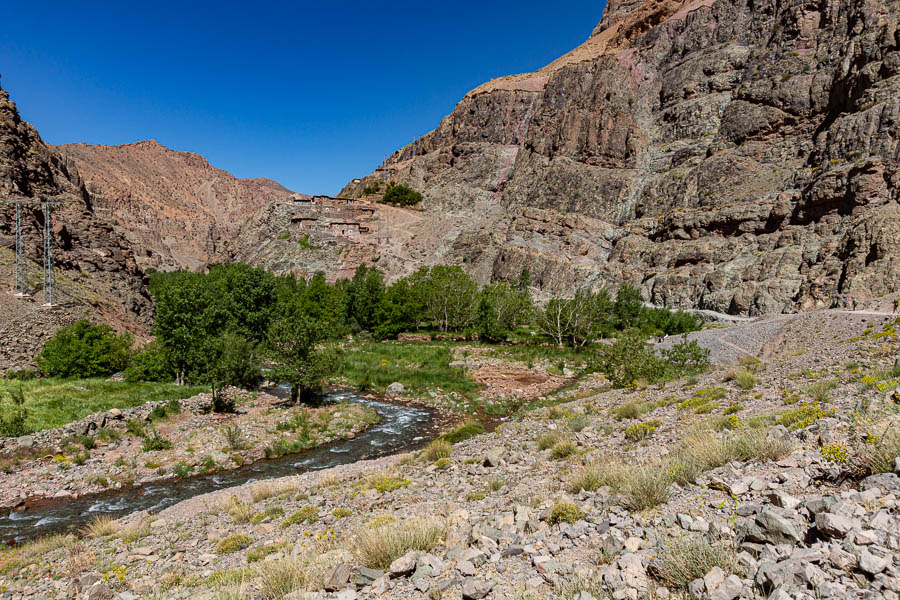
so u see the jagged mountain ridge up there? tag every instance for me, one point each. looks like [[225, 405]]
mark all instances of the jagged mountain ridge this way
[[178, 210], [95, 268], [721, 154]]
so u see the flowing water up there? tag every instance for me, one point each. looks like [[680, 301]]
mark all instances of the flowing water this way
[[401, 428]]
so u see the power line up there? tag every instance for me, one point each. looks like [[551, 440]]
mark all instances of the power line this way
[[21, 261]]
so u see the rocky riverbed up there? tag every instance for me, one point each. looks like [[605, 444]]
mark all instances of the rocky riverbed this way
[[160, 441], [759, 480]]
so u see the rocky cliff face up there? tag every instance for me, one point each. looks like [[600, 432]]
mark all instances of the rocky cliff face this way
[[721, 154], [177, 210], [95, 269]]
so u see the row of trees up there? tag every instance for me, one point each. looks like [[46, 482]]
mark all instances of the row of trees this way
[[219, 328]]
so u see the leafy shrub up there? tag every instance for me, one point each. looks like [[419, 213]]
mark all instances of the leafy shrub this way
[[234, 437], [151, 363], [341, 513], [803, 416], [85, 350], [385, 482], [443, 463], [232, 543], [155, 441], [307, 514], [183, 470], [835, 453], [687, 356], [260, 552], [578, 422], [564, 512], [13, 415], [134, 427], [401, 195], [639, 431]]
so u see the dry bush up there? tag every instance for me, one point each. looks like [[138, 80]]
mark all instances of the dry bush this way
[[682, 562], [264, 490], [439, 448], [378, 548], [281, 577], [101, 526]]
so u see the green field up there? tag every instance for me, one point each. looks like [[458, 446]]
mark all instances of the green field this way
[[55, 402], [420, 367]]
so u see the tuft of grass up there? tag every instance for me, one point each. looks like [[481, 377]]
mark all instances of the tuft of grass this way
[[240, 512], [463, 432], [102, 526], [548, 440], [589, 479], [647, 487], [746, 379], [681, 563], [281, 577], [632, 410], [578, 422], [439, 448], [260, 552], [879, 454], [232, 543], [383, 482], [378, 548], [820, 390], [563, 449]]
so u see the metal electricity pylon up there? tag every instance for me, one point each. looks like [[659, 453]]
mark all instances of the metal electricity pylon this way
[[21, 262]]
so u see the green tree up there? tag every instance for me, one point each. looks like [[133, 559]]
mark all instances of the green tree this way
[[323, 303], [293, 344], [448, 296], [501, 308], [188, 317], [401, 195], [364, 295], [628, 306], [400, 310], [151, 363], [246, 296], [232, 360], [85, 350], [579, 320]]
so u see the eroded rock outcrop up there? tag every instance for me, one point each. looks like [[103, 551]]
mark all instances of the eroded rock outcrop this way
[[721, 154], [95, 269]]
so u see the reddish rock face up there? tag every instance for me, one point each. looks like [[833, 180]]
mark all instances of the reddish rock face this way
[[95, 268], [721, 154], [177, 210]]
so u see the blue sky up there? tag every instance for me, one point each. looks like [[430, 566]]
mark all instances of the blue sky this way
[[310, 94]]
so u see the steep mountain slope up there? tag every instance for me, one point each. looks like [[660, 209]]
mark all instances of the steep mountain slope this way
[[722, 154], [95, 269], [175, 208]]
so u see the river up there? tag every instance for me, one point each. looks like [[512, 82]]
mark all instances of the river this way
[[400, 428]]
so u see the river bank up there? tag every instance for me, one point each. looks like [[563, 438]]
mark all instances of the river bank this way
[[158, 442], [749, 481]]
